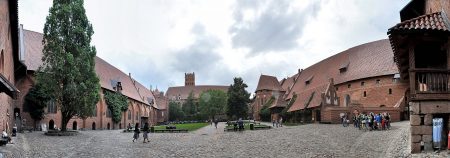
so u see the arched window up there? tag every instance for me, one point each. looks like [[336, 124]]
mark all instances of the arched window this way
[[95, 111], [108, 112], [347, 100], [137, 115], [129, 114], [365, 94], [390, 91]]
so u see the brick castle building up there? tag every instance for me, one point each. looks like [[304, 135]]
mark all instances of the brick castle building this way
[[11, 68], [143, 105], [420, 44], [361, 79], [180, 94]]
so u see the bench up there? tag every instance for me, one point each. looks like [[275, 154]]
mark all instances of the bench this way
[[3, 141], [171, 130]]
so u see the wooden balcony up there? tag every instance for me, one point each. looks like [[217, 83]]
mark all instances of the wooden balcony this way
[[430, 84]]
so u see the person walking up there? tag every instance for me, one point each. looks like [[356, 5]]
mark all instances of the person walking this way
[[281, 121], [146, 130], [216, 122], [136, 132]]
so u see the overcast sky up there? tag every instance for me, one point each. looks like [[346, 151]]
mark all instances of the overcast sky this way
[[157, 41]]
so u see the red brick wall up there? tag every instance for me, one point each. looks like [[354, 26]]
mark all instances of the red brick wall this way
[[376, 94], [7, 67], [262, 96]]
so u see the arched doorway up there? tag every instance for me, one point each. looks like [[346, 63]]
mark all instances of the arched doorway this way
[[120, 125], [74, 125], [16, 113], [93, 125], [108, 126], [51, 124], [347, 100]]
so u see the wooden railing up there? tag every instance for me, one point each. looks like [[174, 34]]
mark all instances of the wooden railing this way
[[431, 80]]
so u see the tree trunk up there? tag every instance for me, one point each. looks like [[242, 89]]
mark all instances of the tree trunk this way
[[65, 119]]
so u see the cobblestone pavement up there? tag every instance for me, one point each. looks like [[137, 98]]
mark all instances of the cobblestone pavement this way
[[312, 140]]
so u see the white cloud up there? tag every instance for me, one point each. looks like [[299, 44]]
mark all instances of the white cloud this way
[[150, 38]]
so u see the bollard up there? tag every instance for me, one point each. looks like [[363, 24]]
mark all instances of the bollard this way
[[252, 127], [152, 129]]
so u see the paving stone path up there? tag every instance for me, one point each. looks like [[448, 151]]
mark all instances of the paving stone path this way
[[312, 140]]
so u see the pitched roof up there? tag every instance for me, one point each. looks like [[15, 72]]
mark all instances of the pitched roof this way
[[33, 49], [434, 21], [184, 91], [309, 98], [161, 100], [279, 102], [364, 61], [268, 83], [107, 73]]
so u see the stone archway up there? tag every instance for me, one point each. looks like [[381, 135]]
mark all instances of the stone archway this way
[[74, 125], [108, 126], [93, 125], [51, 125]]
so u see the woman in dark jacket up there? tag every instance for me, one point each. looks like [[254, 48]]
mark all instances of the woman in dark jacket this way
[[136, 132], [146, 129]]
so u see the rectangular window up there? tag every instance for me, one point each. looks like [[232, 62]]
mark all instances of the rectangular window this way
[[378, 81], [51, 107], [108, 112], [362, 83], [349, 86], [390, 91]]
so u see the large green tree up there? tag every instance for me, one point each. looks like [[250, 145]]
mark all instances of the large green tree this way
[[238, 99], [212, 102], [175, 112], [68, 70]]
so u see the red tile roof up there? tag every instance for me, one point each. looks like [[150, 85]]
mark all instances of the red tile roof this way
[[161, 100], [33, 49], [433, 21], [364, 61], [303, 98], [184, 91], [268, 83], [105, 71]]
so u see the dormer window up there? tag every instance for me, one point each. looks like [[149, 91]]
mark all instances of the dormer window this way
[[343, 67], [308, 80], [119, 86]]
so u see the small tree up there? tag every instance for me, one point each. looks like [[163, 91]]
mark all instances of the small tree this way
[[68, 70], [35, 101], [175, 112], [212, 102], [117, 103], [189, 107], [265, 111], [238, 99]]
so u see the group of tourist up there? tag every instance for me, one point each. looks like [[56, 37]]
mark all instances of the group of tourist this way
[[277, 122], [370, 121], [137, 130]]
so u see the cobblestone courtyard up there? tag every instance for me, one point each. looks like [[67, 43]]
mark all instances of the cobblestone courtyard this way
[[313, 140]]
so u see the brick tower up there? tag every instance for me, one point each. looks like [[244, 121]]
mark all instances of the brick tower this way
[[189, 79]]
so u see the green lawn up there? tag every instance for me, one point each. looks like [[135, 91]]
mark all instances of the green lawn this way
[[189, 126]]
